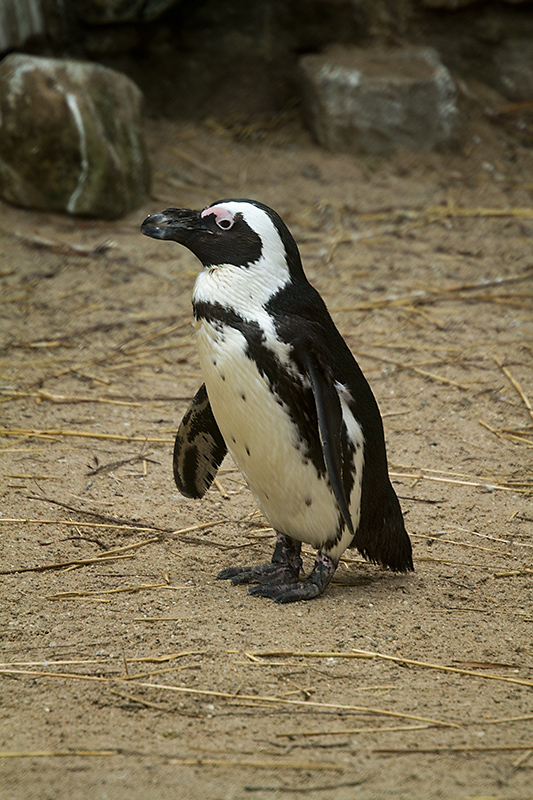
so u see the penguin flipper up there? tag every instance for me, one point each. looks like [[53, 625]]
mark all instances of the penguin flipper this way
[[330, 426], [199, 448]]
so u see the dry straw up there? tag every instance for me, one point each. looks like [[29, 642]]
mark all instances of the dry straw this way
[[254, 699]]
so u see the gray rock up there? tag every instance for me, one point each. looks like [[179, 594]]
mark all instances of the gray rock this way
[[513, 64], [106, 12], [449, 5], [20, 20], [70, 137], [377, 100], [41, 23], [453, 5]]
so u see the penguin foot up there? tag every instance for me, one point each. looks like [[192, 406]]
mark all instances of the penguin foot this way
[[263, 574], [312, 586], [283, 569]]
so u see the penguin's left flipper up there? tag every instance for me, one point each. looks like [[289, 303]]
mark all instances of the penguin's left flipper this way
[[330, 426], [199, 448]]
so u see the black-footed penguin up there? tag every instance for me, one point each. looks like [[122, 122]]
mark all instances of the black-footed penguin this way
[[285, 396]]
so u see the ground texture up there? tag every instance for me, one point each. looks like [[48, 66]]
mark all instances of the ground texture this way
[[128, 670]]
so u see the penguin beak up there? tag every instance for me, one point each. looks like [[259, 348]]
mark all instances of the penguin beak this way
[[175, 224]]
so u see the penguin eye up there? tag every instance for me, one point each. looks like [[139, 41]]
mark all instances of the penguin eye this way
[[223, 218], [225, 223]]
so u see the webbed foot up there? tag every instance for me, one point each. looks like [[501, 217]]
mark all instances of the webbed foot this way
[[262, 574], [311, 587], [283, 569]]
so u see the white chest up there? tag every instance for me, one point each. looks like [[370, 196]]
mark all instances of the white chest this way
[[264, 441]]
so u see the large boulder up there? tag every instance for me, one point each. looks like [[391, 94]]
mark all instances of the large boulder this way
[[449, 5], [378, 100], [20, 20], [513, 69], [453, 5], [70, 137], [38, 24], [107, 12]]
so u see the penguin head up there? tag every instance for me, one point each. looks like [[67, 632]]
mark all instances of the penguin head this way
[[241, 234]]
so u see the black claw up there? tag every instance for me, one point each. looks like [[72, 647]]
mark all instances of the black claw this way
[[230, 572], [262, 574], [288, 592], [278, 579], [284, 568]]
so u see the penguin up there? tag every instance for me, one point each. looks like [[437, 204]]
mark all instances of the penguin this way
[[284, 395]]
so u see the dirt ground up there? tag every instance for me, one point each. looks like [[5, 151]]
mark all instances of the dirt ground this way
[[128, 670]]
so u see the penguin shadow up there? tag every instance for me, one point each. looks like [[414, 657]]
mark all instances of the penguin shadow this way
[[367, 575]]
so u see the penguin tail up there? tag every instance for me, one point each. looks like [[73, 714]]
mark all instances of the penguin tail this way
[[381, 536]]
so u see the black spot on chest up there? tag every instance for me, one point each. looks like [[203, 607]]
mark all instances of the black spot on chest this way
[[287, 385]]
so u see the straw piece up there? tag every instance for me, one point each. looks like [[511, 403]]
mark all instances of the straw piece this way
[[161, 619], [520, 439], [129, 526], [125, 527], [61, 398], [54, 753], [111, 465], [306, 703], [136, 699], [521, 759], [506, 436], [458, 749], [428, 296], [513, 572], [95, 592], [129, 347], [134, 546], [522, 718], [480, 484], [149, 673], [22, 476], [79, 562], [54, 432], [254, 699], [350, 731], [273, 764], [445, 472], [42, 674], [437, 538], [258, 655], [169, 657], [201, 761], [199, 527], [516, 385], [493, 538], [400, 660], [417, 369], [55, 663]]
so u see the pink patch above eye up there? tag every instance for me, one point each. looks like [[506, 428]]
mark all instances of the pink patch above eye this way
[[220, 214]]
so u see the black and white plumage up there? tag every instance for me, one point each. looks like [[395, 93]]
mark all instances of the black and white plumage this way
[[285, 396]]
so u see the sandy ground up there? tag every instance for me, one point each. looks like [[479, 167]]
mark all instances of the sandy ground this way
[[128, 670]]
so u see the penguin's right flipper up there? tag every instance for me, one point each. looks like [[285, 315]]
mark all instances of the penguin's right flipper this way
[[330, 424], [199, 448]]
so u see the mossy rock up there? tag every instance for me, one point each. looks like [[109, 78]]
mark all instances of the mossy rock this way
[[71, 137]]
